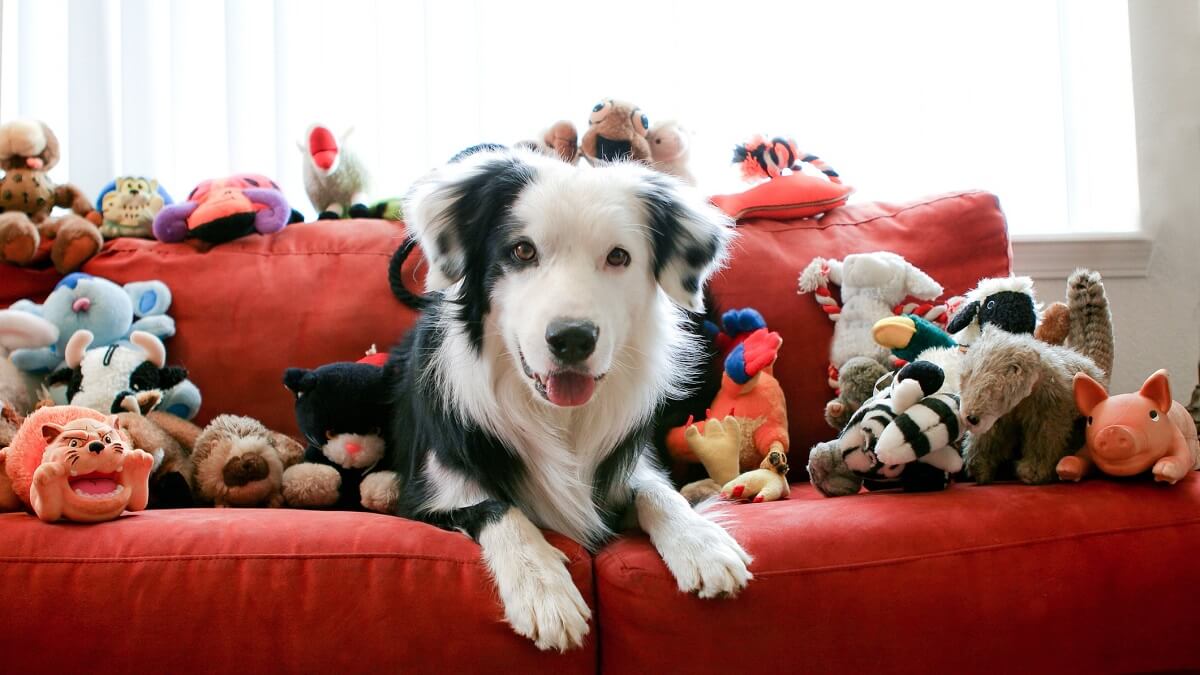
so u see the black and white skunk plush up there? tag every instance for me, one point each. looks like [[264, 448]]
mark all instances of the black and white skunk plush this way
[[340, 409], [1005, 302], [118, 377]]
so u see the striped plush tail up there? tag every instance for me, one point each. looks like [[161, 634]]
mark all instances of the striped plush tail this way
[[1091, 329]]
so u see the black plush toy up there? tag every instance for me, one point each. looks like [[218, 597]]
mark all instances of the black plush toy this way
[[340, 411]]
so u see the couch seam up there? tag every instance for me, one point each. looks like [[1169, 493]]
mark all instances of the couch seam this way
[[800, 571], [67, 560]]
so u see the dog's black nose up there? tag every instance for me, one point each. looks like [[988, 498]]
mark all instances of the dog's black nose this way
[[972, 419], [571, 340], [96, 447]]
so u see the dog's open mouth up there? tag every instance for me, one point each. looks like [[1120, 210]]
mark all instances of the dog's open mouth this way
[[566, 388], [95, 485]]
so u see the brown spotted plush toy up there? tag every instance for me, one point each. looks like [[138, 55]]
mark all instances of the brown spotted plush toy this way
[[28, 150]]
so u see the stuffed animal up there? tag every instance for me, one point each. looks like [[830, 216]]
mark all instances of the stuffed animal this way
[[1006, 302], [341, 409], [128, 206], [76, 464], [1017, 391], [118, 378], [334, 177], [28, 151], [855, 384], [224, 209], [20, 330], [159, 434], [909, 404], [239, 462], [873, 285], [780, 189], [561, 140], [110, 312], [1129, 434], [616, 131], [746, 426], [670, 150]]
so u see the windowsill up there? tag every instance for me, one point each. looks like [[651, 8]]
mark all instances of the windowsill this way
[[1124, 255]]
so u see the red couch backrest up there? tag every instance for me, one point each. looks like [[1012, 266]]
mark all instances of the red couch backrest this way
[[317, 293]]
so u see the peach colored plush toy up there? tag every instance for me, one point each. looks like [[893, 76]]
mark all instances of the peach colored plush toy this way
[[73, 463], [1131, 433]]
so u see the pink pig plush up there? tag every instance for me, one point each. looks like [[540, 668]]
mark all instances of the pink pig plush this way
[[1131, 433]]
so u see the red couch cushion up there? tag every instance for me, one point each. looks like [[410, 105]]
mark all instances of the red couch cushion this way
[[259, 591], [956, 238], [246, 310], [1094, 577]]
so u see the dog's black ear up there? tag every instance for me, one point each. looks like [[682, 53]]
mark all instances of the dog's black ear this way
[[454, 208], [689, 236], [964, 317]]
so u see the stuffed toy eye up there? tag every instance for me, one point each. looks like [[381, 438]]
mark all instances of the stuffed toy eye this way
[[598, 107], [596, 110], [73, 443], [991, 304], [1154, 415]]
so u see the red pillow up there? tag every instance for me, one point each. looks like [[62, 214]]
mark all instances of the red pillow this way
[[789, 197]]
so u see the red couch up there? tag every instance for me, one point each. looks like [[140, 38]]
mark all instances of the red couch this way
[[1088, 577]]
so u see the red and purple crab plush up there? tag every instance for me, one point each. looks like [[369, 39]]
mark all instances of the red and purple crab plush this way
[[224, 209]]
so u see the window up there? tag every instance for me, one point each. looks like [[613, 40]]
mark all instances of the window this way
[[1029, 99]]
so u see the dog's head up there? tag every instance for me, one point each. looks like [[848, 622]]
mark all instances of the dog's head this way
[[565, 263]]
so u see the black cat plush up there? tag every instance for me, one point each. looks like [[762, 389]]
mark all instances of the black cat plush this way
[[340, 411]]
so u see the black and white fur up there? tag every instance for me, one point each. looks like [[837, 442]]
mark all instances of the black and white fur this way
[[479, 446]]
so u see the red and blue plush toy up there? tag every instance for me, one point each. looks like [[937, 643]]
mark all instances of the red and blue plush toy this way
[[224, 209]]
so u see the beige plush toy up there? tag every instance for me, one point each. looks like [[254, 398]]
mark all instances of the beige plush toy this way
[[28, 150], [239, 462], [671, 149]]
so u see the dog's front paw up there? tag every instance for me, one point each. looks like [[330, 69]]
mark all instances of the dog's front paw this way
[[706, 560], [543, 604]]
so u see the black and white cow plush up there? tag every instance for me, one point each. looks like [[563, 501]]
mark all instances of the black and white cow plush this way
[[1006, 302], [118, 377]]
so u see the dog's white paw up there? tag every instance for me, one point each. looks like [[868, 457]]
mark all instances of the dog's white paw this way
[[705, 559], [542, 603]]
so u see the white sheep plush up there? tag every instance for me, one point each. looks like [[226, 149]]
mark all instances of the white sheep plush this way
[[872, 285]]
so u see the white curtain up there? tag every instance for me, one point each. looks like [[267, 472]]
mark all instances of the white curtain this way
[[1029, 99]]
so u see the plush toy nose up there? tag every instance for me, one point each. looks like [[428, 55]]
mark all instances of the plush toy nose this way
[[34, 162], [81, 304], [244, 469], [353, 449], [96, 447], [1116, 442]]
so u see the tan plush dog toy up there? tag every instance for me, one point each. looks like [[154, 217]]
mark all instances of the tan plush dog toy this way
[[28, 150]]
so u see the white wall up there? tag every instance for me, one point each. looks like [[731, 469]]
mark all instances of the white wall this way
[[1158, 317]]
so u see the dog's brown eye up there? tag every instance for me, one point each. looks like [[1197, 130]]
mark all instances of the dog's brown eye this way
[[618, 257], [524, 252]]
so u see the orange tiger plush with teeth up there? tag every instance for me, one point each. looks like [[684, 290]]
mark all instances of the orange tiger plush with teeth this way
[[75, 464]]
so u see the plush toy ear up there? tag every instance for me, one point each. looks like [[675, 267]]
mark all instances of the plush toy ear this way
[[689, 237], [51, 432], [1157, 388], [964, 317], [459, 203], [921, 285], [299, 381], [1088, 393], [149, 298], [77, 347]]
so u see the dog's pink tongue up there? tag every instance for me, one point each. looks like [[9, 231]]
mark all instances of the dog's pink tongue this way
[[95, 486], [569, 389]]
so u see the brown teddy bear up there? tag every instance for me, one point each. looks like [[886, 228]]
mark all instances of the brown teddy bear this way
[[28, 150], [239, 462]]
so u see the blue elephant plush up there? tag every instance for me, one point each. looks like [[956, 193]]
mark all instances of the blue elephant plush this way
[[111, 313]]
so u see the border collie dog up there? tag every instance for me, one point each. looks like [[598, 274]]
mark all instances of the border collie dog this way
[[523, 397]]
